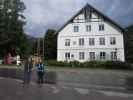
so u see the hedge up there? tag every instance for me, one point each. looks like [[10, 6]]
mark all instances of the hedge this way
[[91, 64]]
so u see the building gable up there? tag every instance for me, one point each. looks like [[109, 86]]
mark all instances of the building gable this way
[[90, 14]]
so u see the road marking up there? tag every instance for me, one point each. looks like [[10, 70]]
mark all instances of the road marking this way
[[82, 91], [64, 87], [81, 85], [55, 89], [112, 93], [9, 78], [1, 77]]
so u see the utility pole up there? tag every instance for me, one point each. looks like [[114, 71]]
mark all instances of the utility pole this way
[[43, 49], [38, 46]]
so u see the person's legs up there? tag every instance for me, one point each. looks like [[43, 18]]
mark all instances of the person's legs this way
[[42, 74], [25, 78], [28, 77], [39, 77]]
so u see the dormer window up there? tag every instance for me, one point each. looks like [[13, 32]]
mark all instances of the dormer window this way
[[87, 14]]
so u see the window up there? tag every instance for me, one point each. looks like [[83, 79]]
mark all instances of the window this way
[[88, 15], [102, 55], [81, 55], [92, 55], [74, 42], [81, 41], [113, 56], [67, 42], [102, 41], [91, 41], [101, 27], [88, 28], [112, 40], [76, 28], [67, 55], [72, 56]]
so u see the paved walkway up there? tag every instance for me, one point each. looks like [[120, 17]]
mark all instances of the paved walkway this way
[[11, 89]]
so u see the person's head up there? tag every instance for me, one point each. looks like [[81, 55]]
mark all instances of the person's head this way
[[39, 60]]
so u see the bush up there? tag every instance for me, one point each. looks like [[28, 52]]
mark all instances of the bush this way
[[117, 65], [75, 64], [92, 64], [55, 63]]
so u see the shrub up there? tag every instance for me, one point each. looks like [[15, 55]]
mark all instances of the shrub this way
[[117, 65], [92, 64], [55, 63], [75, 64]]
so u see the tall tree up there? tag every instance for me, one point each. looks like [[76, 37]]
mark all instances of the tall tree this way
[[11, 26], [129, 44], [50, 44]]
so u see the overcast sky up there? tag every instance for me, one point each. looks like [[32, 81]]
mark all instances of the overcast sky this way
[[44, 14]]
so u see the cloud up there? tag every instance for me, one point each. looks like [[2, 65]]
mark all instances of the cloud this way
[[44, 14]]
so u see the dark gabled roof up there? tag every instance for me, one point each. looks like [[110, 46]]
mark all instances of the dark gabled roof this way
[[95, 10]]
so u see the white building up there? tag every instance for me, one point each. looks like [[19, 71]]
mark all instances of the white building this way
[[90, 35]]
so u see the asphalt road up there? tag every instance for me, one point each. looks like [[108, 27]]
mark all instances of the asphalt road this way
[[11, 89], [96, 78], [73, 84]]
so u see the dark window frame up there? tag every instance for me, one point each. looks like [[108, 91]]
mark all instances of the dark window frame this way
[[102, 55], [113, 40], [92, 56], [67, 42], [88, 28], [113, 55], [91, 41], [101, 27], [76, 28], [81, 41], [102, 41], [67, 55], [81, 55]]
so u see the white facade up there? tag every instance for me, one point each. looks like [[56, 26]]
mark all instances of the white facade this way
[[75, 37]]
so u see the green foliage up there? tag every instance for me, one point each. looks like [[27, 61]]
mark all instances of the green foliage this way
[[55, 63], [129, 44], [117, 65], [11, 26], [50, 44], [91, 64]]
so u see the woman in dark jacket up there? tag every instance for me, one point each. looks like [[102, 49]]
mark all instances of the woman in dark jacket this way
[[27, 70]]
